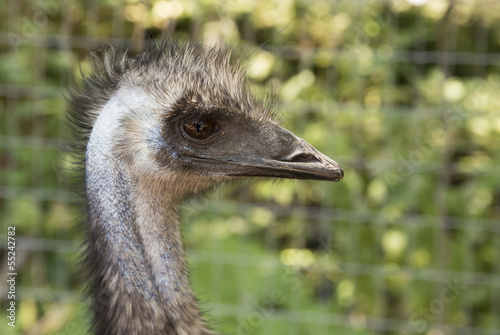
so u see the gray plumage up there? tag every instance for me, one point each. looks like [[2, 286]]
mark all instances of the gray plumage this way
[[150, 130]]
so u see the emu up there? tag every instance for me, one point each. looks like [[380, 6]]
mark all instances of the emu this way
[[152, 129]]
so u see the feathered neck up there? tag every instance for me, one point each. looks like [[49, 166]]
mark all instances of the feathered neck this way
[[136, 273]]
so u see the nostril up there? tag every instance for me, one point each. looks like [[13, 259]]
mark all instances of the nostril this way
[[304, 158]]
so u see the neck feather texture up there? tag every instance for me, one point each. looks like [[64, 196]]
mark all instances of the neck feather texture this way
[[135, 262]]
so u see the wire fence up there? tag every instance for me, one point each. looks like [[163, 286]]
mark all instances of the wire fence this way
[[403, 94]]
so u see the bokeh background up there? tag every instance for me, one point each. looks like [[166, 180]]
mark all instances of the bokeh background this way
[[404, 94]]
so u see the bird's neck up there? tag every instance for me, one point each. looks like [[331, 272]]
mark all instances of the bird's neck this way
[[135, 261]]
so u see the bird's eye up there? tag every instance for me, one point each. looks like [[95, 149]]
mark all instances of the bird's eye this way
[[201, 129]]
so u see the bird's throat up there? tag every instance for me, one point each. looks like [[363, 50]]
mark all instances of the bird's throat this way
[[135, 260]]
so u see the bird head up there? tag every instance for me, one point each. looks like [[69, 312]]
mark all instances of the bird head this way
[[225, 143], [190, 112]]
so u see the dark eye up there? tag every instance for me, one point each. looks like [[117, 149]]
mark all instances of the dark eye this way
[[200, 129]]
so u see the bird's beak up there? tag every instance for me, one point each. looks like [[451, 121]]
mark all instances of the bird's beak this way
[[282, 155], [302, 162]]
